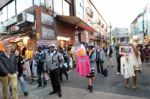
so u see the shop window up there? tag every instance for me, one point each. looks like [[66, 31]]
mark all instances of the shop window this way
[[58, 7], [11, 9], [66, 8], [3, 15]]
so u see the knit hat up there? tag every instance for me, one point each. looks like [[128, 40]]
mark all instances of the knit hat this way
[[1, 46]]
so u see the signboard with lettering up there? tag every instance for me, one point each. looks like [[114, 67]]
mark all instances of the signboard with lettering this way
[[89, 12], [47, 19], [48, 33], [79, 8]]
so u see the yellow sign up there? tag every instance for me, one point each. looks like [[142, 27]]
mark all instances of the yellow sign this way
[[37, 35]]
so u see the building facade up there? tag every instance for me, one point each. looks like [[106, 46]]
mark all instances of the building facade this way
[[140, 27], [42, 21], [120, 35]]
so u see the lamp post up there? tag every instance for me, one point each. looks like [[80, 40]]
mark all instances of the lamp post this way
[[110, 31]]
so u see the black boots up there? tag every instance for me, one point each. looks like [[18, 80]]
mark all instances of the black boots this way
[[90, 88], [26, 93]]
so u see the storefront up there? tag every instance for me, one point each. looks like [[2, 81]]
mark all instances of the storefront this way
[[71, 29], [23, 42]]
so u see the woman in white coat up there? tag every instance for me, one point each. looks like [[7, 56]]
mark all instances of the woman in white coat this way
[[126, 69], [130, 65]]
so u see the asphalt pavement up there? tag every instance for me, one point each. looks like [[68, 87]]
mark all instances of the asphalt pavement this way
[[111, 87]]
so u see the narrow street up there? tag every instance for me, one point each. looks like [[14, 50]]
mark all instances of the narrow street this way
[[104, 88], [110, 87]]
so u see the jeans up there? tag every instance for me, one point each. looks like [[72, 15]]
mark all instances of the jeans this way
[[22, 83]]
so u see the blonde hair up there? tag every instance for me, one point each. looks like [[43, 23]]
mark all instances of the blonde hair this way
[[135, 51]]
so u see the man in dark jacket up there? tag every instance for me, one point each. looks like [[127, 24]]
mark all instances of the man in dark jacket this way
[[109, 56], [8, 72], [40, 58]]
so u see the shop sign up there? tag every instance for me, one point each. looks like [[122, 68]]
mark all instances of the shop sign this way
[[79, 8], [89, 12], [48, 33], [47, 19], [37, 35]]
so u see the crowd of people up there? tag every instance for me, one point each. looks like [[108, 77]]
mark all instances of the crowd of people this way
[[52, 62]]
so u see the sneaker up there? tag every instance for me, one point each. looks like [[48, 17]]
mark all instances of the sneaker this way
[[127, 86], [134, 87], [26, 93]]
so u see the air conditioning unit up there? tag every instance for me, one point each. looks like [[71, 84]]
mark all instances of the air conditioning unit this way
[[24, 17], [2, 29]]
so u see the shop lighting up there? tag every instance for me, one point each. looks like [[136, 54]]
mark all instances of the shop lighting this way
[[63, 38]]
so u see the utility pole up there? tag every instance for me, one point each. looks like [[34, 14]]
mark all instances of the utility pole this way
[[110, 31]]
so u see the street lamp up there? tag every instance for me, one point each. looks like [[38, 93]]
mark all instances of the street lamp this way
[[110, 31]]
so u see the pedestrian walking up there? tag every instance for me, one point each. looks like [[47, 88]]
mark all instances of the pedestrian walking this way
[[135, 61], [100, 54], [8, 70], [54, 61], [40, 59], [65, 67], [146, 54], [118, 57], [109, 56], [92, 57], [130, 65], [83, 66], [21, 68]]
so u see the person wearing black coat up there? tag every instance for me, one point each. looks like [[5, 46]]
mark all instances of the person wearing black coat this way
[[109, 56], [8, 72]]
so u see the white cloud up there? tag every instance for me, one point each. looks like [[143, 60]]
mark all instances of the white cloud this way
[[120, 12]]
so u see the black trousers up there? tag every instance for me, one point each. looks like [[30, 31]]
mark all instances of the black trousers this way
[[99, 67], [40, 72], [119, 64], [54, 75], [63, 70]]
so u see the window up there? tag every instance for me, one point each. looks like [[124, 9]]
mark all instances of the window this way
[[11, 9], [58, 6], [66, 8], [3, 15]]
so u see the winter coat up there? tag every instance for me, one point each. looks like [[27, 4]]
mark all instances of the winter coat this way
[[126, 67], [7, 65]]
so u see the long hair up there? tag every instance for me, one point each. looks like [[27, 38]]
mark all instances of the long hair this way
[[135, 51]]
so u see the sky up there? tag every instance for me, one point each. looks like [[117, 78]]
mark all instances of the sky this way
[[120, 12]]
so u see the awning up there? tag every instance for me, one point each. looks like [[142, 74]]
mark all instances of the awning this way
[[75, 21]]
